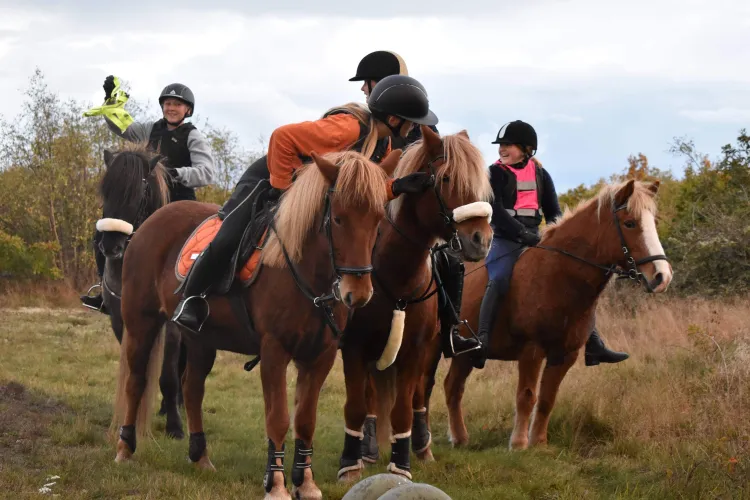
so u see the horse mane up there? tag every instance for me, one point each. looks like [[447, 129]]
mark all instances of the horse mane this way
[[464, 165], [642, 200], [122, 179], [360, 184]]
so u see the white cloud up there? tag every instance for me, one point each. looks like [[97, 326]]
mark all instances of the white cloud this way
[[721, 115]]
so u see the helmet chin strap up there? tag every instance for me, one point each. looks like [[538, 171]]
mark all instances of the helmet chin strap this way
[[175, 124]]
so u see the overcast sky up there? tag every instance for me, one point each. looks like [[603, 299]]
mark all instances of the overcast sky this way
[[598, 80]]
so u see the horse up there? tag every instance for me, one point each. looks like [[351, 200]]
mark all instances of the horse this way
[[394, 328], [289, 320], [133, 187], [550, 306]]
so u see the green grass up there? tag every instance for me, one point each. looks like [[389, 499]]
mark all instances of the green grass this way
[[660, 425]]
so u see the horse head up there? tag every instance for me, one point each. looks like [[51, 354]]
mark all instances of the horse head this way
[[133, 187]]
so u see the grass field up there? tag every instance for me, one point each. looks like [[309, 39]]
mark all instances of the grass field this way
[[673, 421]]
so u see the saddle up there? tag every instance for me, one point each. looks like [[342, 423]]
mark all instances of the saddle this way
[[245, 260]]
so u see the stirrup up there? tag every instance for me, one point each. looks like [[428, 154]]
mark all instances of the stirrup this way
[[181, 310], [454, 330], [89, 295]]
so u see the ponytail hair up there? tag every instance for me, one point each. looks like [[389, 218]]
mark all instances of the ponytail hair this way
[[363, 114]]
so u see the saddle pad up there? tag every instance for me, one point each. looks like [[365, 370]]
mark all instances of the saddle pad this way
[[201, 237]]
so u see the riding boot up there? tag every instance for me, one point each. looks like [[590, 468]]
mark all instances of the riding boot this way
[[451, 271], [493, 295], [216, 259], [597, 352], [96, 302]]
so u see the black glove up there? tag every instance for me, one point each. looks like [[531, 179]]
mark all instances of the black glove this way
[[173, 174], [528, 238], [418, 182], [109, 86]]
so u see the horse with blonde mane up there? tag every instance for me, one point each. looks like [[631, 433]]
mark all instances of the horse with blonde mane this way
[[319, 250], [549, 310], [392, 331]]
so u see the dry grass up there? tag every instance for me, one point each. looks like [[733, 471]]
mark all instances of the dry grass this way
[[673, 421]]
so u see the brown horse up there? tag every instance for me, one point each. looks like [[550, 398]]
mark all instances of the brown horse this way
[[133, 187], [404, 303], [325, 227], [549, 309]]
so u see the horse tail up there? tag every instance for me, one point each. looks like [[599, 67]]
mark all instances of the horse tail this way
[[146, 404], [385, 398]]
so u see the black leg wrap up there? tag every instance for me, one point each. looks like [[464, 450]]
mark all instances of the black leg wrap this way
[[127, 434], [300, 462], [400, 454], [352, 453], [271, 466], [197, 446], [370, 451], [420, 433]]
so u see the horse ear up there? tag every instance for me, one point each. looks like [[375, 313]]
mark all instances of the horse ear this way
[[464, 133], [431, 139], [328, 169], [654, 187], [391, 162], [108, 157], [624, 194], [153, 162]]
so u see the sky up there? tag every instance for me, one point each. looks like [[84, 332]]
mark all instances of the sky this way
[[598, 80]]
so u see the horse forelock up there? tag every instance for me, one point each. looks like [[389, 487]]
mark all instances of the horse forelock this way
[[360, 184], [463, 165]]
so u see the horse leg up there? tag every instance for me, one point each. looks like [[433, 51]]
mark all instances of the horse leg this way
[[200, 361], [551, 379], [135, 361], [370, 452], [310, 379], [355, 411], [169, 382], [402, 416], [115, 319], [421, 440], [273, 376], [454, 385], [529, 366]]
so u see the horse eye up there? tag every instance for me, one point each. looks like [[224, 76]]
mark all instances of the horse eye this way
[[446, 178], [630, 224], [337, 220]]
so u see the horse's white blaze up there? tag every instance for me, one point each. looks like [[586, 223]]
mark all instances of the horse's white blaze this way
[[653, 247]]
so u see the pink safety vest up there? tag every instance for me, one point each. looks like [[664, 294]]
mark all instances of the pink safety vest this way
[[527, 199]]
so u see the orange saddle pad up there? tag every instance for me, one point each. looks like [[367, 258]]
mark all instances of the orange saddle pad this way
[[201, 237]]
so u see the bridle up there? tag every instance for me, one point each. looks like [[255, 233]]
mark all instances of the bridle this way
[[632, 271], [323, 302]]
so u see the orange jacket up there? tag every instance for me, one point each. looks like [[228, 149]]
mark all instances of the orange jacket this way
[[289, 143]]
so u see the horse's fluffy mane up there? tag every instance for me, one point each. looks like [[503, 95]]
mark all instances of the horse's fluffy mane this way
[[360, 184]]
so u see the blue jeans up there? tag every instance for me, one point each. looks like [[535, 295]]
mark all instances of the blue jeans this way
[[503, 256]]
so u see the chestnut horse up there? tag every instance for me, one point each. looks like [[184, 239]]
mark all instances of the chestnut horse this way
[[324, 227], [404, 304], [133, 187], [549, 309]]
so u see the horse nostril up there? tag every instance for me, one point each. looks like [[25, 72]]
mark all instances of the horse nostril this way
[[348, 299], [477, 238]]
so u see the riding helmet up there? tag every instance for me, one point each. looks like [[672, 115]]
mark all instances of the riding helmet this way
[[181, 92], [379, 64], [517, 132], [402, 96]]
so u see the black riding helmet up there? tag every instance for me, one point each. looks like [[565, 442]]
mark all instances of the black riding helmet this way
[[379, 64], [401, 96], [181, 92], [517, 132]]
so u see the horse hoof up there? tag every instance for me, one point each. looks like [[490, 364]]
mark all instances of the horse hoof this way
[[278, 493], [307, 492], [459, 440], [350, 476], [426, 455], [205, 464], [518, 444], [123, 452], [176, 433]]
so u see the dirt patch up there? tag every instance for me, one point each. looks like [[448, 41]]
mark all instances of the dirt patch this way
[[25, 418]]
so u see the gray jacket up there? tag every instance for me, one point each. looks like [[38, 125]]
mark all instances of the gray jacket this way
[[201, 173]]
